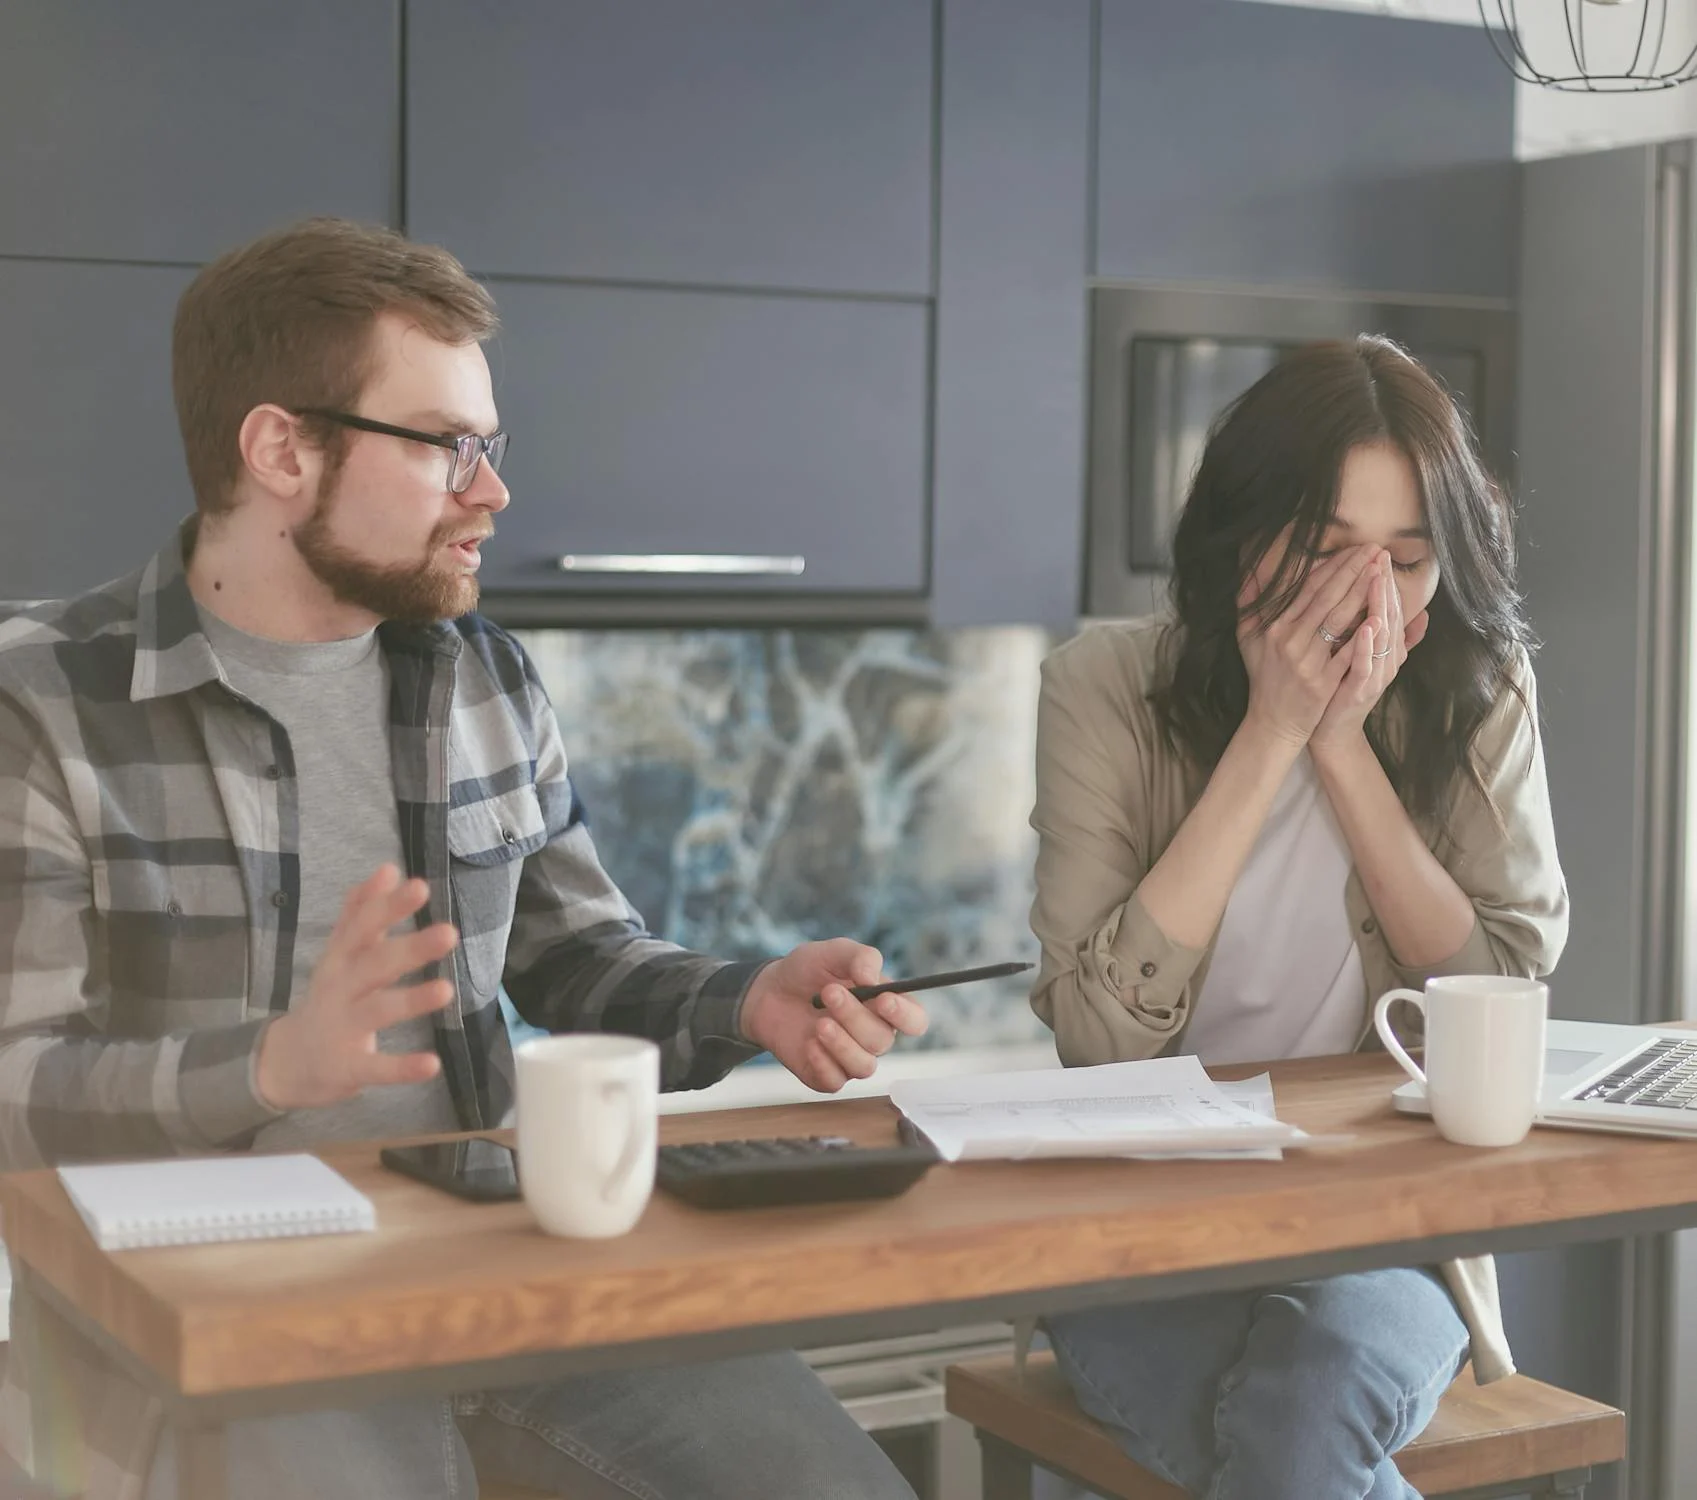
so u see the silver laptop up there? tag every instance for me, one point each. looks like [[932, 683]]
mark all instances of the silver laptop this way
[[1638, 1079]]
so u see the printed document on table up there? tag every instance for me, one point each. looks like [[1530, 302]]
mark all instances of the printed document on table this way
[[1252, 1093], [1164, 1106]]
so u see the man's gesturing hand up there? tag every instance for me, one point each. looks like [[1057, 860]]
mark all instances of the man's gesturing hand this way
[[326, 1050]]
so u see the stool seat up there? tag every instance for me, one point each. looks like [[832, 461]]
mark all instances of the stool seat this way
[[1518, 1429]]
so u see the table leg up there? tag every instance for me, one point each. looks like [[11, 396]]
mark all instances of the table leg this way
[[202, 1470], [1006, 1471]]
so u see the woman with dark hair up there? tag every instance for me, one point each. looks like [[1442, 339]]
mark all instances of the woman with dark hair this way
[[1317, 779]]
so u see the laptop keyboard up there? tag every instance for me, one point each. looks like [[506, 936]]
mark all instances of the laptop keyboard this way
[[1663, 1076]]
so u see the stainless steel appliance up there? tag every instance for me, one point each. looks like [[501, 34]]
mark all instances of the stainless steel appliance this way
[[1166, 359], [1606, 444]]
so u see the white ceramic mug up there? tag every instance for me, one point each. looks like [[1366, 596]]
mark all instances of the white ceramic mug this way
[[588, 1114], [1484, 1053]]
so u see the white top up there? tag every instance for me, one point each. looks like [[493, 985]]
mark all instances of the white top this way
[[1286, 978]]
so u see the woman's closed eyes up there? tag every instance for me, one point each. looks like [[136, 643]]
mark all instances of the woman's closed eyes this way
[[1409, 565]]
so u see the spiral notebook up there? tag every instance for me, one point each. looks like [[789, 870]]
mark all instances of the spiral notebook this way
[[200, 1201]]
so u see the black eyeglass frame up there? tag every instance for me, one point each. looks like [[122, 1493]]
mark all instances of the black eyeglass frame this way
[[468, 449]]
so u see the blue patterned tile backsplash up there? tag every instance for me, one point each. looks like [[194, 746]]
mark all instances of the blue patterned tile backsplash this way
[[751, 789]]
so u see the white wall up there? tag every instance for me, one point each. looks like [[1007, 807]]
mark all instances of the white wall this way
[[1551, 123]]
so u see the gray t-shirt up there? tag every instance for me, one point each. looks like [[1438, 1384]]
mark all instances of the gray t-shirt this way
[[332, 698]]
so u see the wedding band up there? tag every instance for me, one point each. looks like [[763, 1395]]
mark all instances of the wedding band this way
[[1381, 655], [1329, 638]]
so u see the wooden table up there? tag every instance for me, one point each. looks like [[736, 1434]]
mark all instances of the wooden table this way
[[448, 1295]]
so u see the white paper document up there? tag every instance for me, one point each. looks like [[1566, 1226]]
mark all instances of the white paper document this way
[[1254, 1094], [1165, 1107]]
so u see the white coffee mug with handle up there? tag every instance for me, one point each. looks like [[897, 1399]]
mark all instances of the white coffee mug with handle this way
[[1484, 1053], [588, 1118]]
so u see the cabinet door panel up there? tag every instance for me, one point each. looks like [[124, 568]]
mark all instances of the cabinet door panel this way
[[173, 130], [781, 143], [1010, 312], [94, 474], [1278, 145], [660, 422]]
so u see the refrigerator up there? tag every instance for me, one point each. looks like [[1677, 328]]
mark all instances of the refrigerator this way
[[1604, 476]]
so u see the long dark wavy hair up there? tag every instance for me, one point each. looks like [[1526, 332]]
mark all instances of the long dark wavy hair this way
[[1273, 460]]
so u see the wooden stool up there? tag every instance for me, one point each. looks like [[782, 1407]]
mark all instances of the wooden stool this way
[[1507, 1438]]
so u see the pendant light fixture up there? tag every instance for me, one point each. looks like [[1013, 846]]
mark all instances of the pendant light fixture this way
[[1594, 46]]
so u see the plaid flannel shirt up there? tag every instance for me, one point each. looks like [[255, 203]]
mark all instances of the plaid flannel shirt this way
[[149, 883]]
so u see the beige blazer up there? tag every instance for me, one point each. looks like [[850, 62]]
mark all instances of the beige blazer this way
[[1111, 793]]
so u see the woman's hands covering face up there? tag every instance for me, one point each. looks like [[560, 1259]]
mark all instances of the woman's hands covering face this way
[[1376, 653], [1317, 669]]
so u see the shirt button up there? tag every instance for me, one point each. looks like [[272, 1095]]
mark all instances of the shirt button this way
[[1369, 927], [1148, 971], [273, 773], [279, 899], [173, 908], [508, 836]]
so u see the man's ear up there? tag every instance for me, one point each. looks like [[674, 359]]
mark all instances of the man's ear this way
[[276, 457]]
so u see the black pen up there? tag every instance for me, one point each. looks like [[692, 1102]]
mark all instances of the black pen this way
[[930, 981]]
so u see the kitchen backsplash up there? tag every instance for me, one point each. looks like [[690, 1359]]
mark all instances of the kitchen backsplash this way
[[753, 789]]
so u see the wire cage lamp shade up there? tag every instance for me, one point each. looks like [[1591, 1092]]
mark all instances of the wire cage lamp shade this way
[[1594, 46]]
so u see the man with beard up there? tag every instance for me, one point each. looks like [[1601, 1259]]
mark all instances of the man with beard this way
[[213, 774]]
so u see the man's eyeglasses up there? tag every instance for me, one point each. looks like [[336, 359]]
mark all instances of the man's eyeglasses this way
[[466, 449]]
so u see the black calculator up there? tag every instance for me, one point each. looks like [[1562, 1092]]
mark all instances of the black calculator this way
[[781, 1170]]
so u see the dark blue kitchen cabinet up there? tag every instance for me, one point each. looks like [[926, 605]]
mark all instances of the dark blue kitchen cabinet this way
[[649, 422], [770, 143], [1280, 145], [94, 475], [172, 130], [1012, 250], [781, 279]]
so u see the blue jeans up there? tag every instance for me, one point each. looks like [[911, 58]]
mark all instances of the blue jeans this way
[[761, 1426], [1293, 1392]]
